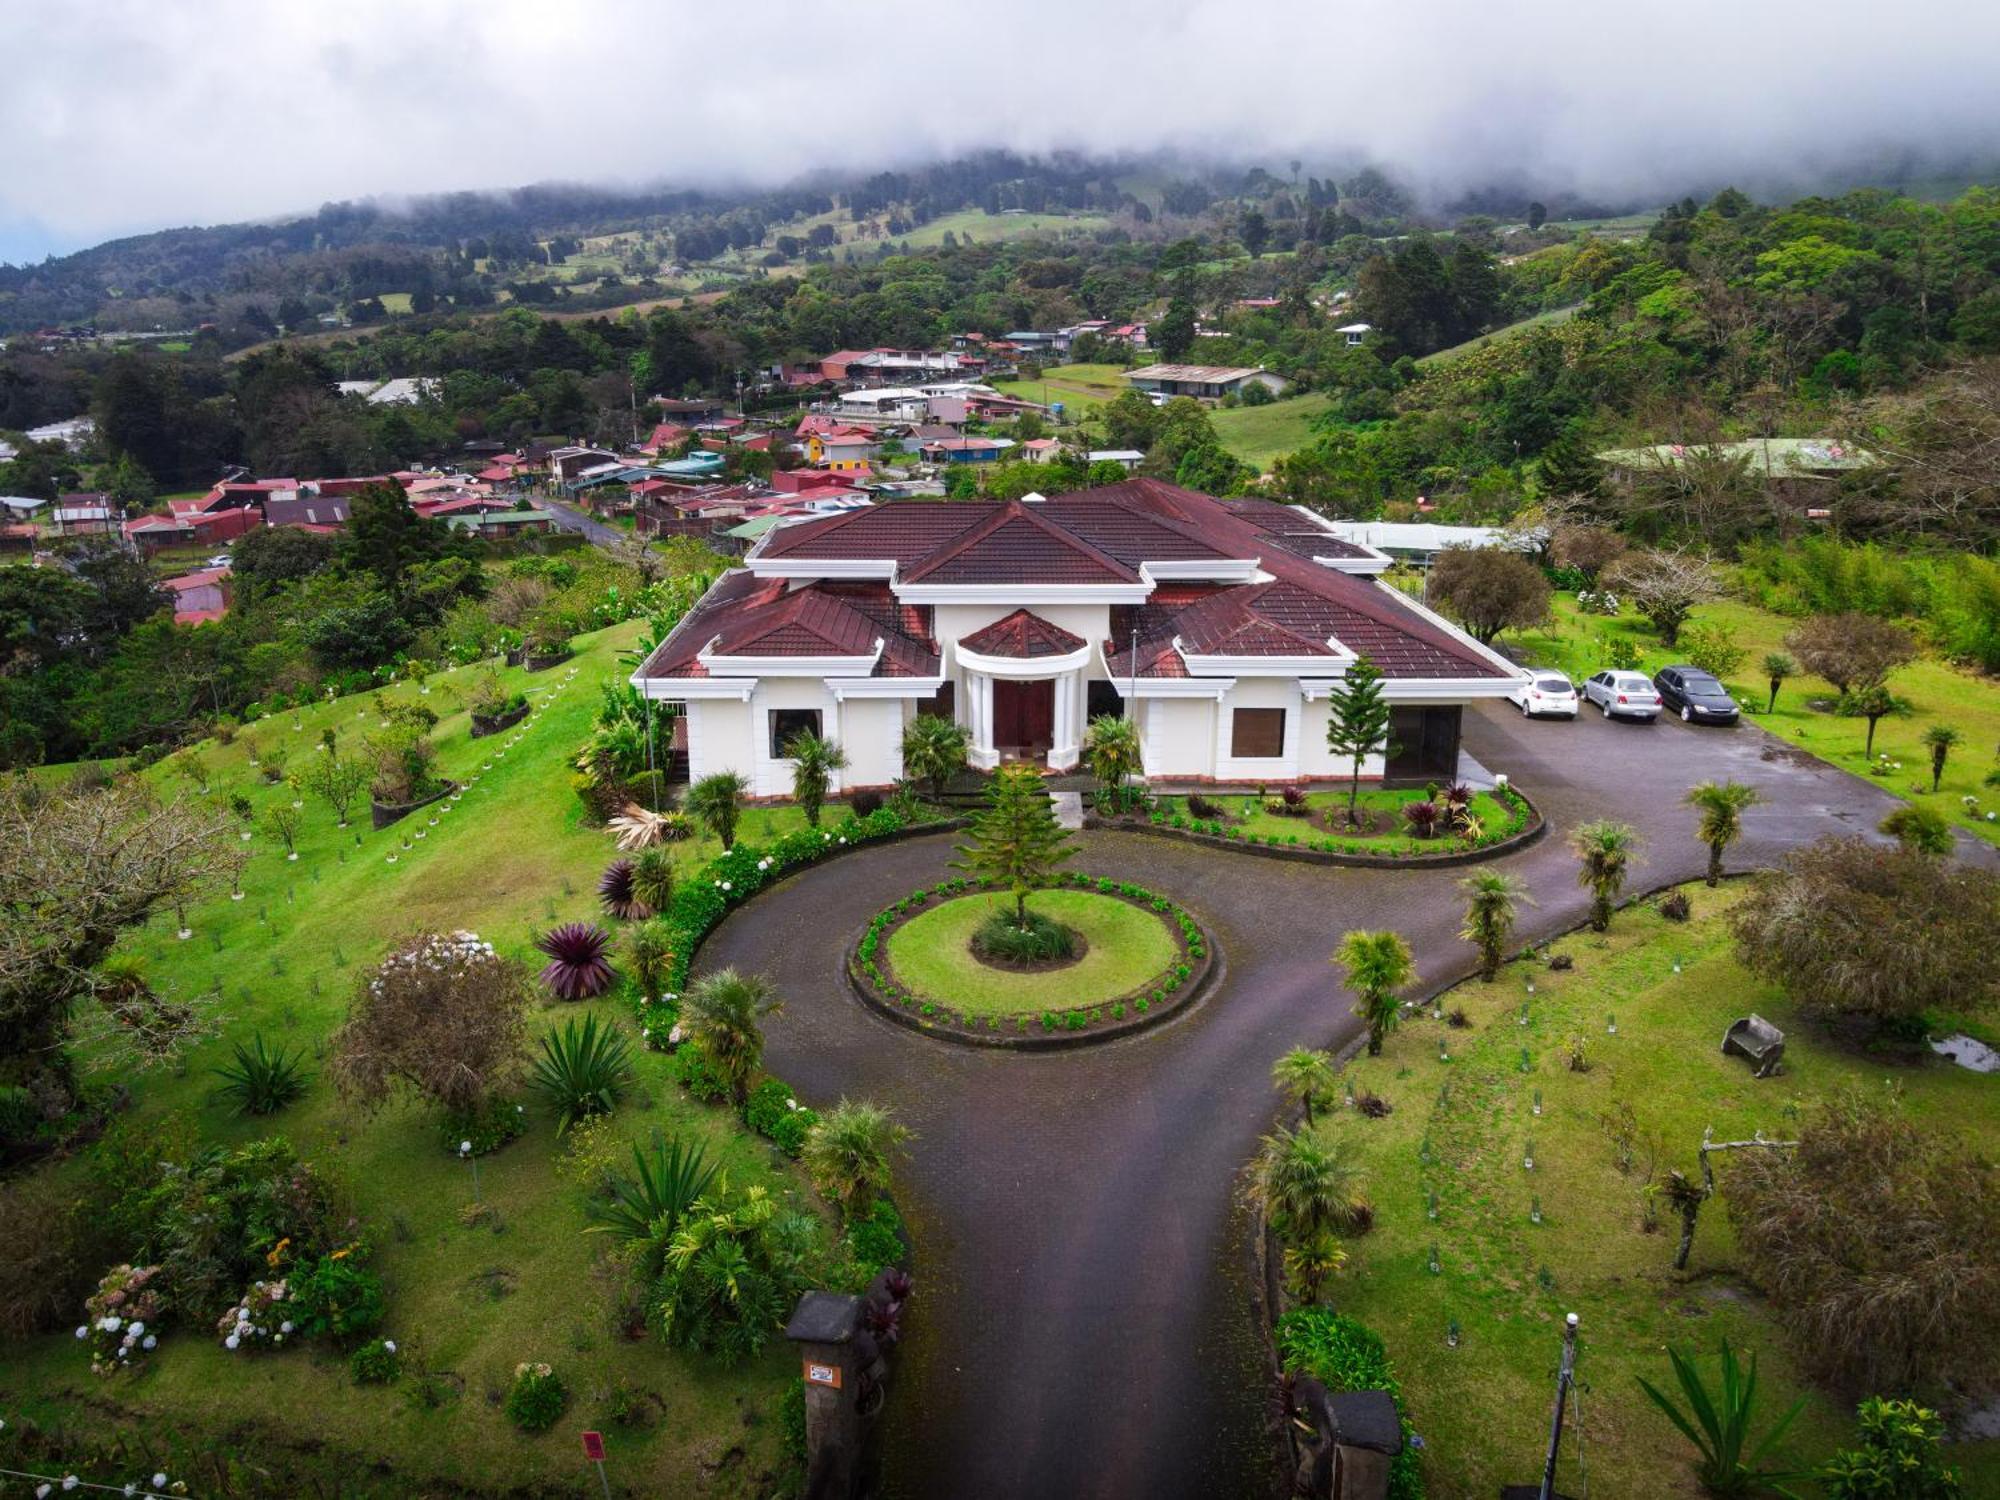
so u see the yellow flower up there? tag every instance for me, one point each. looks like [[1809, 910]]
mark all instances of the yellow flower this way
[[278, 1251], [341, 1254]]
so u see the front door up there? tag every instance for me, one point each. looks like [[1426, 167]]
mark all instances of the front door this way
[[1024, 718]]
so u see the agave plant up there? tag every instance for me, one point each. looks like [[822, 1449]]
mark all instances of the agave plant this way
[[579, 966], [582, 1070], [1717, 1421], [647, 1207], [261, 1081], [619, 892]]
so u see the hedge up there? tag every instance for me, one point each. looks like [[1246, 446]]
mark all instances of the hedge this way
[[1346, 1355]]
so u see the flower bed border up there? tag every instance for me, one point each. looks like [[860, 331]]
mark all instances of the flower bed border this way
[[1534, 827], [1050, 1029], [386, 814], [482, 726], [533, 662]]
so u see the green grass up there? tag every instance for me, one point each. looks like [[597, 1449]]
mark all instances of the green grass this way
[[1935, 691], [1250, 816], [985, 228], [510, 859], [1084, 390], [1483, 1407], [931, 954], [1260, 434], [1539, 320], [394, 302]]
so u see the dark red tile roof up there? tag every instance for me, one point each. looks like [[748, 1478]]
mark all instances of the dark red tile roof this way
[[1022, 634], [1014, 543], [747, 616]]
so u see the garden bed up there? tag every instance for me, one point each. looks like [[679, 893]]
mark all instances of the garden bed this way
[[1134, 973], [533, 663], [482, 725], [394, 812]]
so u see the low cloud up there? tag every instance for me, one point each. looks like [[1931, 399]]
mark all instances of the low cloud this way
[[122, 115]]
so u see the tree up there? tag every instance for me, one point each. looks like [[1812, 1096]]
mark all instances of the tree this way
[[847, 1153], [264, 560], [1173, 334], [1665, 587], [1721, 805], [1304, 1077], [443, 1017], [1919, 830], [1015, 840], [814, 761], [719, 1013], [1898, 1459], [338, 781], [1777, 668], [1377, 964], [1852, 930], [386, 537], [1873, 703], [716, 801], [1491, 899], [1357, 723], [1718, 1424], [1568, 467], [1111, 744], [1587, 549], [1712, 648], [79, 865], [1305, 1182], [282, 819], [934, 751], [1537, 216], [1940, 738], [1852, 651], [1605, 851], [1130, 420], [1488, 590], [1255, 232]]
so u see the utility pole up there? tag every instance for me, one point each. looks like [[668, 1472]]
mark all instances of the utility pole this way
[[1565, 1378]]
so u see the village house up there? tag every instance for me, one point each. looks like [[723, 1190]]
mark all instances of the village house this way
[[200, 596], [1220, 626], [84, 513], [1203, 382]]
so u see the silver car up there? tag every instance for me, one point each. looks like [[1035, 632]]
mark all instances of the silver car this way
[[1623, 695]]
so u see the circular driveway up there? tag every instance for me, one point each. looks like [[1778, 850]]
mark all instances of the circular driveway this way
[[1084, 1323]]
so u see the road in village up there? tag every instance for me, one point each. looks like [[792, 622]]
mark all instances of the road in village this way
[[1083, 1323]]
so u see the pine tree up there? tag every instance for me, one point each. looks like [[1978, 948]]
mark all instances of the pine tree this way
[[1569, 468], [1016, 839], [1357, 721]]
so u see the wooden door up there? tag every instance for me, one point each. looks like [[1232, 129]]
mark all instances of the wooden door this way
[[1024, 716]]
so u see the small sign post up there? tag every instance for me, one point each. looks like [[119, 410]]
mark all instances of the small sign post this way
[[593, 1449], [818, 1373]]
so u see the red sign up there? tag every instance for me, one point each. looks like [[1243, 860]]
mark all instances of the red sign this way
[[593, 1447]]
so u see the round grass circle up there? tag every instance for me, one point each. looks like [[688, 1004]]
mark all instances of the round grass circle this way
[[1127, 949]]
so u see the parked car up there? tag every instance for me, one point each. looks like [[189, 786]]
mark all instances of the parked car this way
[[220, 560], [1545, 693], [1695, 695], [1623, 695]]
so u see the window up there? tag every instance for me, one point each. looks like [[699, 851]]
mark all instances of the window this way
[[1257, 734], [787, 722]]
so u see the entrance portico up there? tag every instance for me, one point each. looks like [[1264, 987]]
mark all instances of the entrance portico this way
[[1025, 682]]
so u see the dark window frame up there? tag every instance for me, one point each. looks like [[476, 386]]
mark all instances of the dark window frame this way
[[1236, 734], [777, 738]]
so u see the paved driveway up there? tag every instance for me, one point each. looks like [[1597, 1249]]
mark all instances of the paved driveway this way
[[569, 517], [1084, 1323]]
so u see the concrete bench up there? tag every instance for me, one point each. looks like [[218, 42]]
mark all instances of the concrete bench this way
[[1757, 1042]]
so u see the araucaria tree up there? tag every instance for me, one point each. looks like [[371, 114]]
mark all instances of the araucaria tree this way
[[1111, 745], [1357, 722], [1491, 900], [79, 866], [1378, 964], [443, 1017], [1721, 805], [1016, 840], [814, 762], [1605, 851], [847, 1153], [1488, 590], [720, 1013], [716, 802], [934, 751]]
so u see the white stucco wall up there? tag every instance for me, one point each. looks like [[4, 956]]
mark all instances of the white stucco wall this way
[[718, 737], [771, 776], [1259, 692], [1315, 759], [871, 732], [1178, 736]]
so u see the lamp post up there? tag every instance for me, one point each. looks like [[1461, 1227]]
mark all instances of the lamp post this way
[[1565, 1378], [465, 1151]]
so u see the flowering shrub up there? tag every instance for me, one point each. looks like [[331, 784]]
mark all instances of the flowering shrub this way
[[776, 1114], [376, 1363], [265, 1318], [537, 1398], [490, 1126], [123, 1318]]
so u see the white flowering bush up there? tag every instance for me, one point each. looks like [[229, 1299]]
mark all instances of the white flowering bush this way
[[122, 1318], [264, 1319], [1598, 602]]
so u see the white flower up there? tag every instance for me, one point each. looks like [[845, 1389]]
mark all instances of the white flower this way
[[159, 1481], [286, 1326], [138, 1327], [109, 1323], [465, 1148], [70, 1481], [231, 1342], [83, 1333], [41, 1492], [728, 886], [390, 1345], [791, 1104], [763, 864], [151, 1341]]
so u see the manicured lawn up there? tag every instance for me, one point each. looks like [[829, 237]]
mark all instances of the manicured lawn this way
[[1261, 434], [1483, 1407], [932, 954], [1935, 691], [508, 860], [1254, 821]]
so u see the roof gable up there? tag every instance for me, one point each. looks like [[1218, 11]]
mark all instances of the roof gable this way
[[1023, 635], [1013, 544]]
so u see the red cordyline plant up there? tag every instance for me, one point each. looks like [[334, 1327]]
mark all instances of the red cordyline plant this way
[[616, 889], [1423, 817], [579, 966]]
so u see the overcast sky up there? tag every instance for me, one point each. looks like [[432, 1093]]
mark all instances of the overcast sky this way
[[124, 115]]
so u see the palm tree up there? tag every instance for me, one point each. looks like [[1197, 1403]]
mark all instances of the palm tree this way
[[1607, 850], [1378, 964], [847, 1152], [934, 750], [1490, 899], [1303, 1076], [814, 761], [717, 801], [1721, 804], [1778, 666], [719, 1014], [1305, 1180], [1940, 738], [1112, 745]]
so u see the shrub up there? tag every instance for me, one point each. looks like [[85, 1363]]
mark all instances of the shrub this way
[[729, 1274], [1898, 1459], [1424, 817], [403, 756], [1345, 1355], [1676, 907], [582, 1070], [579, 966], [1041, 940], [698, 1076], [1199, 806], [263, 1317], [847, 1152], [865, 804], [336, 1296], [775, 1113], [646, 1208], [617, 888], [875, 1238], [260, 1081], [537, 1398], [488, 1126], [375, 1363]]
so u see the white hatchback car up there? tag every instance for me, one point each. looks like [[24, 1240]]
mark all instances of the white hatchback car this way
[[1623, 695], [1548, 693]]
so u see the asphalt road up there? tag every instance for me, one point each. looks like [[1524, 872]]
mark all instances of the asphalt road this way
[[567, 517], [1084, 1324]]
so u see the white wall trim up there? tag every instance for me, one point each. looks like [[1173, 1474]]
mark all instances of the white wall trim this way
[[884, 687], [1024, 668], [691, 689], [1445, 689], [1021, 594]]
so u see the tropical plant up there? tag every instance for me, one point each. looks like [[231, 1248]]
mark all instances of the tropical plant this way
[[1037, 940], [719, 1013], [1778, 667], [261, 1080], [1898, 1459], [847, 1153], [1304, 1077], [582, 1070], [1606, 851], [1491, 898], [1305, 1181], [1919, 830], [653, 879], [1424, 817], [1378, 964], [617, 888], [1111, 744], [1721, 805], [1719, 1424], [1939, 738], [730, 1274], [934, 751], [646, 1208], [537, 1398], [814, 762], [1015, 840], [716, 802], [579, 963], [638, 828], [649, 948], [1873, 702], [1357, 722]]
